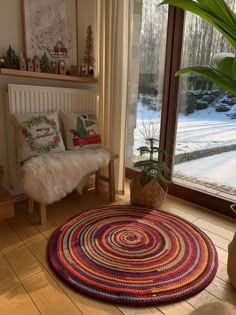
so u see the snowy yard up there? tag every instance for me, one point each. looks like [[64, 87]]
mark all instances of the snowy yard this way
[[201, 130]]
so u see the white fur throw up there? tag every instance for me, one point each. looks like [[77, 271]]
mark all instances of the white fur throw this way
[[50, 177]]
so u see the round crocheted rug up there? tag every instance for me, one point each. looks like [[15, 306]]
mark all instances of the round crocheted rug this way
[[133, 255]]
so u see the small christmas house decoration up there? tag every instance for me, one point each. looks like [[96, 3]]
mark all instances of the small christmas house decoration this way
[[83, 70], [2, 62], [61, 67], [30, 65], [11, 59], [74, 70], [36, 62], [54, 67], [88, 58], [22, 63], [90, 71], [44, 63]]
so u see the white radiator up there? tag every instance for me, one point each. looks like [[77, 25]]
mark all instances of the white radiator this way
[[38, 99]]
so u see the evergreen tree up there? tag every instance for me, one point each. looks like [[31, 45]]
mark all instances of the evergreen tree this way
[[44, 63], [11, 59], [80, 128], [88, 59]]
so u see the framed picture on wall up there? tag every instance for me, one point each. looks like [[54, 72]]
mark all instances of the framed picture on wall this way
[[51, 27]]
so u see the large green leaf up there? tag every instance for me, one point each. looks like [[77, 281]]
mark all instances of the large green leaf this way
[[217, 13], [215, 74], [234, 68], [224, 62]]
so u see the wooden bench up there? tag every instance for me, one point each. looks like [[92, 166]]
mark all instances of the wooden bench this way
[[110, 179]]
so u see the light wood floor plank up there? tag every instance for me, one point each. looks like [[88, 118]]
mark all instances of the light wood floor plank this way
[[203, 213], [42, 288], [215, 229], [37, 243], [222, 255], [202, 298], [24, 261], [183, 214], [91, 305], [8, 279], [222, 290], [132, 310], [222, 272], [218, 240], [17, 302], [182, 308]]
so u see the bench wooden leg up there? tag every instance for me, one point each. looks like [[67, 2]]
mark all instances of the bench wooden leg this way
[[111, 180], [30, 206], [43, 215], [97, 177]]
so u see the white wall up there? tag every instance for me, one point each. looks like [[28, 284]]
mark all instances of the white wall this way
[[86, 15], [12, 32]]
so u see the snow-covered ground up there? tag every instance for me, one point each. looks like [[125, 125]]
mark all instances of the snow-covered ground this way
[[202, 129], [220, 168]]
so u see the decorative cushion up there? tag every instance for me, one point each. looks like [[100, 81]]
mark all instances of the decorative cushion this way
[[37, 133], [81, 131]]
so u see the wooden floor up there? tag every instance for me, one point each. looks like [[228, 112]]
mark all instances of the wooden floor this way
[[29, 286]]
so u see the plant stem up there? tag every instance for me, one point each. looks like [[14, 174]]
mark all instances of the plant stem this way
[[151, 153]]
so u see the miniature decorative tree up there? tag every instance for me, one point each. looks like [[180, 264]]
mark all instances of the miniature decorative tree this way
[[11, 59], [88, 59], [80, 129], [44, 63]]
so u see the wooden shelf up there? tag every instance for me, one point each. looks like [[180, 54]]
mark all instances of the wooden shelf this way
[[48, 76]]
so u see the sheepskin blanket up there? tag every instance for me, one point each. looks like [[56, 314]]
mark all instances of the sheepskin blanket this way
[[49, 177]]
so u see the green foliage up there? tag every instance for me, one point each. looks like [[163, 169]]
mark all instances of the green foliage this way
[[44, 63], [88, 58], [152, 167], [11, 59], [30, 139], [80, 128], [218, 14]]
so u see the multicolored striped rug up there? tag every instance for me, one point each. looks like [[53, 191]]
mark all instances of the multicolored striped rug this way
[[133, 255]]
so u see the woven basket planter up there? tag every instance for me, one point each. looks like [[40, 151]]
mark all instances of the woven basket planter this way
[[149, 195]]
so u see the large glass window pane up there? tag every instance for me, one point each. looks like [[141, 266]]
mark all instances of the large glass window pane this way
[[205, 150], [146, 74]]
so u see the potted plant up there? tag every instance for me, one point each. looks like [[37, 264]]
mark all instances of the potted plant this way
[[149, 187], [222, 71]]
